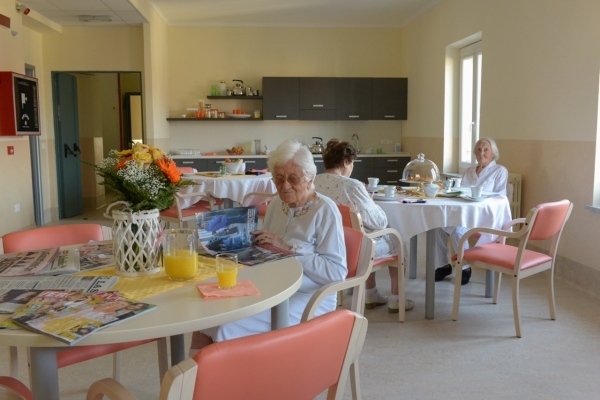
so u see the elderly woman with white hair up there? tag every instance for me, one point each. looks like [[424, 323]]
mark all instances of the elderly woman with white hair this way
[[301, 220], [491, 177]]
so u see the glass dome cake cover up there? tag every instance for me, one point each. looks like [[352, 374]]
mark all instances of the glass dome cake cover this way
[[421, 170]]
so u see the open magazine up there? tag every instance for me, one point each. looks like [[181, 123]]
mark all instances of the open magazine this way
[[229, 231], [70, 316]]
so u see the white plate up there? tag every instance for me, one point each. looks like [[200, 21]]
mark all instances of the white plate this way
[[466, 197], [383, 197], [240, 115]]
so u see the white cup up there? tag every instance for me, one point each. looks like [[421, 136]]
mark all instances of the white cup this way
[[389, 191], [457, 182], [373, 182], [475, 191]]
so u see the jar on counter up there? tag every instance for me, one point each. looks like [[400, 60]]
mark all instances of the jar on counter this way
[[221, 114], [214, 113], [207, 111], [257, 114]]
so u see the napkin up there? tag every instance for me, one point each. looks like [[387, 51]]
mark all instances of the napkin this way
[[243, 288]]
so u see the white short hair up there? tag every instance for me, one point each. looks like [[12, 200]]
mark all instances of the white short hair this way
[[493, 145], [293, 150]]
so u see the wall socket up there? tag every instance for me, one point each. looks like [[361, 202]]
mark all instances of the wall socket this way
[[384, 141], [17, 207]]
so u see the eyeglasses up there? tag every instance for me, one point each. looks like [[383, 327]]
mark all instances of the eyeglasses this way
[[292, 179]]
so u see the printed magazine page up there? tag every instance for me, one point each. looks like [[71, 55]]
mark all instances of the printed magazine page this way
[[95, 255], [70, 316], [39, 262], [66, 282], [13, 299], [228, 231]]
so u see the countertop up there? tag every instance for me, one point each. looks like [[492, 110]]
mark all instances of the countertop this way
[[236, 156]]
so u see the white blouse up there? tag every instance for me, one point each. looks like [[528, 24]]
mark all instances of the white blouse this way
[[493, 178]]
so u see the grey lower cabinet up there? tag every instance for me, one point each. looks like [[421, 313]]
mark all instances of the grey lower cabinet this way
[[363, 168], [389, 169], [199, 164], [214, 164]]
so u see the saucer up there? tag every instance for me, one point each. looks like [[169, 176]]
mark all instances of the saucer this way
[[480, 198], [383, 197]]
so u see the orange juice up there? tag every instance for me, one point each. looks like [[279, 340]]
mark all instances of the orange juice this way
[[227, 277], [181, 265]]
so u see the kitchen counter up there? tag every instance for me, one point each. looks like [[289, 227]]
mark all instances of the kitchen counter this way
[[250, 156]]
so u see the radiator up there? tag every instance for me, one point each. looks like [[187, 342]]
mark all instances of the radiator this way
[[513, 191]]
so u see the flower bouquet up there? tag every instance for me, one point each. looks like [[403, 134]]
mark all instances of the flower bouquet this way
[[144, 180]]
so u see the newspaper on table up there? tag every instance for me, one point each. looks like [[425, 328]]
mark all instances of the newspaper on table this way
[[229, 231], [52, 261], [95, 255], [70, 316], [90, 284]]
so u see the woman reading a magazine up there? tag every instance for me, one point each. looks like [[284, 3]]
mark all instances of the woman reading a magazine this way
[[303, 221]]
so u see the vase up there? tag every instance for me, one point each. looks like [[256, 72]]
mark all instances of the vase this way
[[136, 242]]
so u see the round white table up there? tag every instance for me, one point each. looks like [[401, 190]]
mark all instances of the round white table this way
[[414, 218], [230, 188], [179, 311]]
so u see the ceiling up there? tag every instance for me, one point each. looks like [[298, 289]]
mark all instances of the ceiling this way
[[285, 13]]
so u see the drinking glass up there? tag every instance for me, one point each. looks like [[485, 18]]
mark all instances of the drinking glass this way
[[180, 253], [227, 267]]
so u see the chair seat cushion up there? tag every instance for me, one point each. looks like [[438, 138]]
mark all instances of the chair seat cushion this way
[[504, 256], [201, 206], [385, 260]]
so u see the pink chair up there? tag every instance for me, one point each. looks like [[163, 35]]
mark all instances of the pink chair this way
[[353, 219], [178, 214], [543, 222], [259, 199], [65, 235], [298, 362], [187, 170], [12, 388]]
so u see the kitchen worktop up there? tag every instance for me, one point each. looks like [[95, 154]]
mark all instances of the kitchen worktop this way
[[250, 156]]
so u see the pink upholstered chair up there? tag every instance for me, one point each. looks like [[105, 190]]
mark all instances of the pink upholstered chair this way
[[65, 235], [353, 219], [298, 362], [259, 199], [12, 388], [178, 214], [544, 222], [187, 170]]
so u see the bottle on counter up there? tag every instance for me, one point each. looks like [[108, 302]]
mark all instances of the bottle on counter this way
[[207, 111], [222, 88]]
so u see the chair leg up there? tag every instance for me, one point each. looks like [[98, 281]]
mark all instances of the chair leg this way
[[163, 361], [117, 366], [516, 306], [497, 279], [457, 285], [355, 381], [13, 362], [340, 298], [551, 294], [401, 295]]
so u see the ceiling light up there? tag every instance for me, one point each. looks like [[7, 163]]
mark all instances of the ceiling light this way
[[95, 18]]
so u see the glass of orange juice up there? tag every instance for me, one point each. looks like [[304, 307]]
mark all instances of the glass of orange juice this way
[[180, 253], [227, 267]]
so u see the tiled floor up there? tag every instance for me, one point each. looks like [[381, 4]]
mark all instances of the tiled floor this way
[[476, 357]]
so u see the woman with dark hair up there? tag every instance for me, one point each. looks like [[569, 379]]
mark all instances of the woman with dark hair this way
[[336, 184]]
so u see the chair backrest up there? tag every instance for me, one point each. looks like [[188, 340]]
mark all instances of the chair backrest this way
[[13, 389], [187, 170], [550, 219], [300, 361], [257, 198], [351, 218], [51, 236], [353, 240]]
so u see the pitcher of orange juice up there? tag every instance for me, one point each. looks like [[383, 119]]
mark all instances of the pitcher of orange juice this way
[[180, 253]]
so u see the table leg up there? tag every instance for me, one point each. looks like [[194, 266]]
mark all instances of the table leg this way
[[430, 275], [227, 203], [44, 373], [489, 283], [280, 315], [412, 273], [177, 349]]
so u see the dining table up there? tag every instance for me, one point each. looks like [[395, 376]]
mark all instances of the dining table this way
[[411, 219], [180, 310], [230, 188]]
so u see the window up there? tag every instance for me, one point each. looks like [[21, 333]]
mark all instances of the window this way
[[470, 99]]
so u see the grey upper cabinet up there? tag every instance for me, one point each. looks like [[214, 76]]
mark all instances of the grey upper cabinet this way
[[281, 98], [317, 99], [353, 98], [389, 98]]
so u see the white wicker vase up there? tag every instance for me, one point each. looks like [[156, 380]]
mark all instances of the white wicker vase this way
[[136, 242]]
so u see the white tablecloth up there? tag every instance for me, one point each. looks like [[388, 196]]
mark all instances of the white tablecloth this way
[[233, 187]]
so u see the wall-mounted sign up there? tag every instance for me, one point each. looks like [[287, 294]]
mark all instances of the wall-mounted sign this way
[[21, 114]]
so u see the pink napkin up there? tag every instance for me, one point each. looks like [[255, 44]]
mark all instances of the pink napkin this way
[[243, 288]]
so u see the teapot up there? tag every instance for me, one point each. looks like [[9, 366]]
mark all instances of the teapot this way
[[317, 148], [238, 89]]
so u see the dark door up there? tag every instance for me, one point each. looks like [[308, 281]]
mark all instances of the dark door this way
[[66, 128]]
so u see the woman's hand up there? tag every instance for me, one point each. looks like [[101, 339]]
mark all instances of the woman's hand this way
[[262, 237]]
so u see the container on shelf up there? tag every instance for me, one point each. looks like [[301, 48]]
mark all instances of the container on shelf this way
[[222, 88], [191, 112], [207, 111], [221, 114], [256, 113]]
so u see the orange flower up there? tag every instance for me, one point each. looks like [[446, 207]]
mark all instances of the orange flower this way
[[122, 162], [169, 168]]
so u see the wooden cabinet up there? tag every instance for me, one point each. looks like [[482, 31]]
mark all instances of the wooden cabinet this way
[[389, 98], [353, 98], [281, 99], [317, 99], [389, 169]]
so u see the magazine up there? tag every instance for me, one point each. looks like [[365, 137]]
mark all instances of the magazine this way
[[229, 231], [70, 316], [13, 299], [52, 261], [95, 255], [65, 282]]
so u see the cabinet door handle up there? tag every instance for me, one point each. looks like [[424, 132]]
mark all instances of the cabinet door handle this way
[[318, 105], [392, 170], [358, 161], [187, 162], [353, 116], [249, 162], [389, 116], [392, 160], [281, 116]]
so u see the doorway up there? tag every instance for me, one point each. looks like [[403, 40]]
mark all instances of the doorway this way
[[102, 123]]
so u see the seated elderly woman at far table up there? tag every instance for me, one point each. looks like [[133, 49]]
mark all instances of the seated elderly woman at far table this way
[[336, 183], [492, 178], [301, 220]]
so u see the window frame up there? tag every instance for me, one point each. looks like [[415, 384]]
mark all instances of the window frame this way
[[472, 51]]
